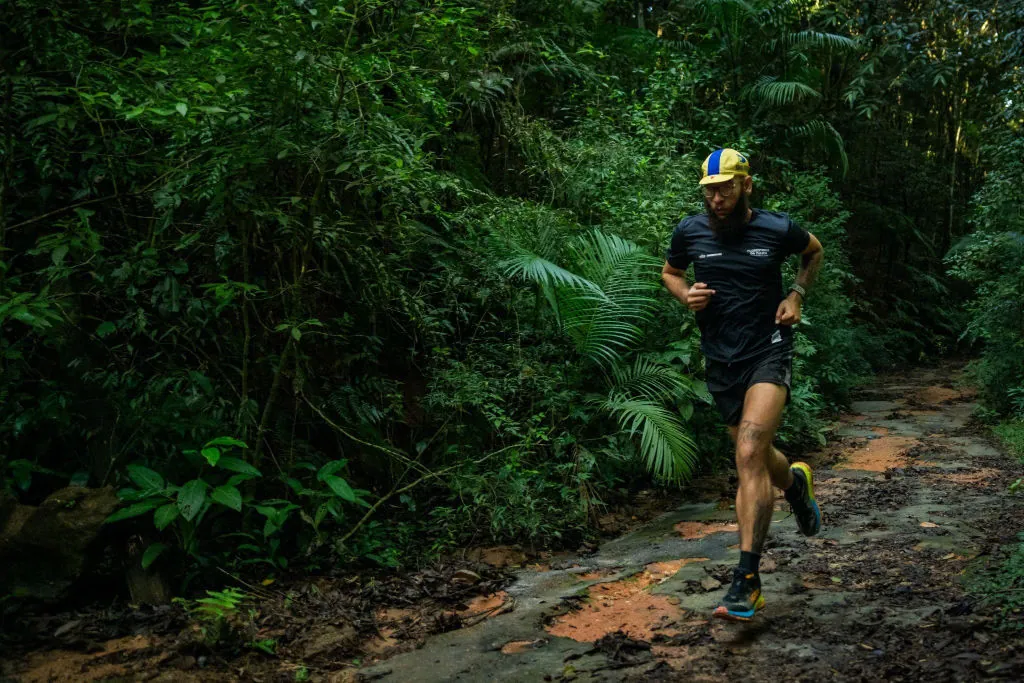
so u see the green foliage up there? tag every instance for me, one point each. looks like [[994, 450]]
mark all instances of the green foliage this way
[[218, 617], [409, 253], [1011, 433], [1000, 581]]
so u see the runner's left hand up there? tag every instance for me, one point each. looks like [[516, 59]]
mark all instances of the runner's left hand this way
[[788, 312]]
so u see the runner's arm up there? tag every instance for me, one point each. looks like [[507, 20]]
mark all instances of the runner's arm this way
[[675, 282], [695, 298], [810, 264]]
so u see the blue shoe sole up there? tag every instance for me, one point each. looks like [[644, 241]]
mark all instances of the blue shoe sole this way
[[723, 612]]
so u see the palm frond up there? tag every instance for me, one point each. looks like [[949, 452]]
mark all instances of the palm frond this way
[[539, 270], [823, 135], [650, 379], [603, 256], [665, 445], [773, 92], [819, 39], [602, 329]]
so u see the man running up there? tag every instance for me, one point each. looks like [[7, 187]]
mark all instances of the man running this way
[[745, 318]]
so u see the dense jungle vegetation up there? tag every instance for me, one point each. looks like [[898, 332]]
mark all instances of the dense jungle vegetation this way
[[314, 283]]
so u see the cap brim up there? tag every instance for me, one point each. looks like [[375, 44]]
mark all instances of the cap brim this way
[[720, 178]]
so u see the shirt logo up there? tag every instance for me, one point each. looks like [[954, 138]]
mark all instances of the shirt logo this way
[[777, 337], [710, 255], [759, 252]]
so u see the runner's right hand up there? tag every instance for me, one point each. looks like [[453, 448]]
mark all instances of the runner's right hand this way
[[698, 296]]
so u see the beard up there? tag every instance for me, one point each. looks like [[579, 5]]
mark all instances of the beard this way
[[731, 228]]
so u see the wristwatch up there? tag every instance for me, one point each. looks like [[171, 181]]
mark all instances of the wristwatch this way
[[799, 290]]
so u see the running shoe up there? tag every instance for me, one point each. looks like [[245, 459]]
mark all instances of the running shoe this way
[[805, 507], [743, 599]]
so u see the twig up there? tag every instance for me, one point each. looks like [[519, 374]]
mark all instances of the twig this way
[[405, 488], [103, 199]]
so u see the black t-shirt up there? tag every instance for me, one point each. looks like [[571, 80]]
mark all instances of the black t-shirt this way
[[739, 320]]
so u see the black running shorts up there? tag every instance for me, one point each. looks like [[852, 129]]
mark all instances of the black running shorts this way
[[728, 382]]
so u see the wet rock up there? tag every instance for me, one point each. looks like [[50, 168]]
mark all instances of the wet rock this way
[[709, 583], [43, 549]]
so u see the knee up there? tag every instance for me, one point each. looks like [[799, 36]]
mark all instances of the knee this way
[[750, 455]]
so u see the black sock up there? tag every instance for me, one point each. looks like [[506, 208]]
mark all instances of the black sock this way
[[796, 490], [750, 562]]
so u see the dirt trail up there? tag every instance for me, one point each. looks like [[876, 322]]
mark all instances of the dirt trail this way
[[911, 494]]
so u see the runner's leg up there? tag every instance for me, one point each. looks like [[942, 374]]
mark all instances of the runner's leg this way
[[758, 463], [778, 464]]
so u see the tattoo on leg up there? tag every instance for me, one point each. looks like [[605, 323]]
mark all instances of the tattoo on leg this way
[[762, 523], [751, 432]]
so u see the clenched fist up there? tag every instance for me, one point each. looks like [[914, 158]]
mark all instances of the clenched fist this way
[[698, 296], [788, 312]]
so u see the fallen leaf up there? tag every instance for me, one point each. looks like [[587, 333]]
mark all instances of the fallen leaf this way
[[465, 576], [929, 525]]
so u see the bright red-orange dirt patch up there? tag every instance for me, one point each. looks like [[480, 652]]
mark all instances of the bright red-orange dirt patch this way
[[486, 604], [701, 529], [879, 454], [625, 606]]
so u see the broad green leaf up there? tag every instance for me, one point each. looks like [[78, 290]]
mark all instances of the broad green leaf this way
[[145, 478], [106, 329], [226, 441], [165, 515], [136, 510], [191, 498], [152, 552], [238, 465], [211, 454], [331, 468], [340, 488], [236, 479], [228, 496], [181, 108]]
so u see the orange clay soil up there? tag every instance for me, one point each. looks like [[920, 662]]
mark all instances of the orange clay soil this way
[[879, 454], [625, 606], [936, 394], [518, 647], [701, 529], [486, 604], [62, 665], [979, 476]]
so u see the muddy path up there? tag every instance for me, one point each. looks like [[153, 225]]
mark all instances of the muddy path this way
[[911, 493]]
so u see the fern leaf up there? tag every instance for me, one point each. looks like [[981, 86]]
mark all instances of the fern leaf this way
[[539, 270], [665, 446], [777, 93]]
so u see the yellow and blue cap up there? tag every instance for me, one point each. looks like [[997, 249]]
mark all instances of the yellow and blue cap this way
[[724, 164]]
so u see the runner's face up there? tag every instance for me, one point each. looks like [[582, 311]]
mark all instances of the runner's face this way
[[722, 197]]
